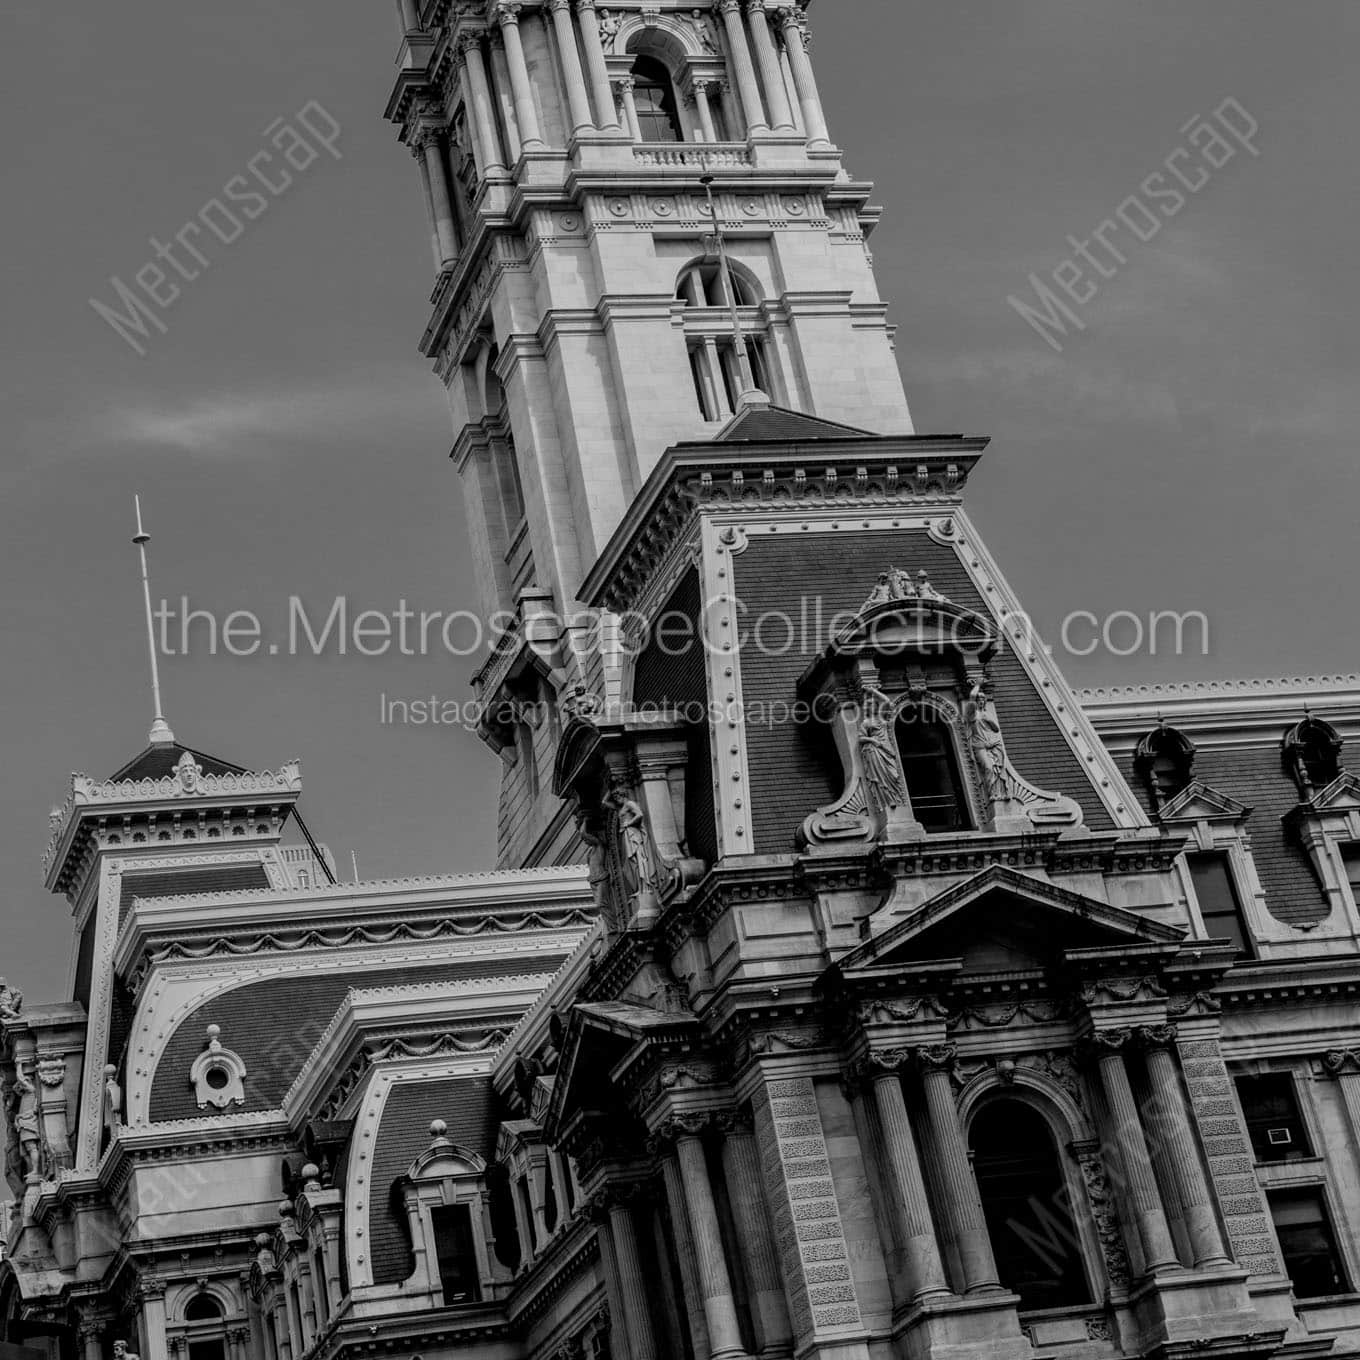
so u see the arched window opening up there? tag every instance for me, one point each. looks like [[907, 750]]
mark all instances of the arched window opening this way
[[549, 1198], [658, 109], [1163, 761], [1312, 755], [1027, 1204], [705, 285], [931, 766], [205, 1334], [320, 1288]]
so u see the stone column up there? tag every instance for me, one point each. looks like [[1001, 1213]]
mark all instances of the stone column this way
[[714, 373], [742, 69], [715, 1283], [1141, 1191], [526, 112], [485, 134], [436, 177], [710, 131], [605, 116], [684, 1249], [1183, 1157], [436, 246], [746, 1190], [578, 100], [911, 1208], [633, 1289], [962, 1202], [503, 90], [238, 1343], [805, 81], [91, 1334], [151, 1295], [781, 115], [626, 87]]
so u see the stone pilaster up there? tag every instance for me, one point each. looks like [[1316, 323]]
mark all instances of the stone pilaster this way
[[633, 1291], [684, 1249], [824, 1308], [1227, 1149]]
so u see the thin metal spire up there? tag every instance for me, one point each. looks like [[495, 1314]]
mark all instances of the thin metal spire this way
[[750, 394], [160, 729]]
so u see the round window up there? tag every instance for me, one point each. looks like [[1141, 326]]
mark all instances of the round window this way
[[218, 1078]]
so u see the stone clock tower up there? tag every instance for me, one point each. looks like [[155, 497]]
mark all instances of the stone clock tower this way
[[581, 320]]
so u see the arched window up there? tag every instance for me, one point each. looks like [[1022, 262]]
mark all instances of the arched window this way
[[657, 108], [204, 1333], [1163, 761], [1312, 755], [704, 284], [931, 767], [1027, 1205]]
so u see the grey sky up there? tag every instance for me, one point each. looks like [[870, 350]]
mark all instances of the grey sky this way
[[1192, 449]]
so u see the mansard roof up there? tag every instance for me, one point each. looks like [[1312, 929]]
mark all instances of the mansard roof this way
[[159, 759]]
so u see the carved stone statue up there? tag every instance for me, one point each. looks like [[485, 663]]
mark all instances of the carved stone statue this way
[[27, 1125], [113, 1101], [989, 746], [635, 842], [707, 32], [122, 1351], [881, 593], [878, 760], [609, 26], [11, 1001], [924, 589], [900, 584]]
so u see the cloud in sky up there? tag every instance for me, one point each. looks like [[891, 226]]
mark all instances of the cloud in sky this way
[[224, 423]]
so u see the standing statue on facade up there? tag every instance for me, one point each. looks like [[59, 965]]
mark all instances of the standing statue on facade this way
[[989, 746], [122, 1351], [635, 842], [27, 1128], [878, 761]]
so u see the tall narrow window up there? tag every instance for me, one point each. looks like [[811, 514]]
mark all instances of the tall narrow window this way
[[1219, 906], [205, 1334], [932, 770], [1027, 1206], [1350, 855], [1307, 1242], [658, 111], [455, 1253], [1271, 1108]]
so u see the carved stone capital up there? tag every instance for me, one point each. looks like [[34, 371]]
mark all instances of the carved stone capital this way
[[1148, 1037], [466, 43], [1338, 1061], [508, 12], [687, 1125], [936, 1057]]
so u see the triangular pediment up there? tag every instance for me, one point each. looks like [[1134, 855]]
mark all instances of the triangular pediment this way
[[1201, 802], [1341, 795], [1001, 920]]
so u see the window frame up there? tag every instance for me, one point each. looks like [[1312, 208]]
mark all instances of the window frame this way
[[1321, 1189]]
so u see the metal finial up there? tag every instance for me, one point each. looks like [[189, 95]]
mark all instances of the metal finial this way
[[160, 729]]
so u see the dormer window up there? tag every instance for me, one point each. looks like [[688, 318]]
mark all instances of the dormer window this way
[[1312, 756], [1163, 762], [1220, 908], [658, 110], [455, 1253], [931, 767]]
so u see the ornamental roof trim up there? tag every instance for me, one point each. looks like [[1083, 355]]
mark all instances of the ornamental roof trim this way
[[189, 782], [1198, 690]]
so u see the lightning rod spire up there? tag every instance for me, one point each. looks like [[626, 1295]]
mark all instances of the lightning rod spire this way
[[160, 729]]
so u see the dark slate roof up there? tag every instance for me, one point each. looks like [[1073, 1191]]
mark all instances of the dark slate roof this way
[[275, 1023], [779, 425], [1255, 776], [206, 878], [791, 774], [158, 762], [464, 1103]]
